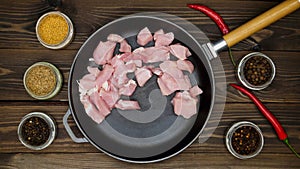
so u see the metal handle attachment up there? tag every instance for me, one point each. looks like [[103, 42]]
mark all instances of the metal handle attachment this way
[[69, 130]]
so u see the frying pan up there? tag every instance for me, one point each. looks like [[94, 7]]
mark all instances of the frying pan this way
[[154, 133]]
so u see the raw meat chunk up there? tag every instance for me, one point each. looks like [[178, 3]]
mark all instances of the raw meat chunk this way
[[195, 91], [185, 65], [144, 37], [127, 105], [164, 39], [104, 52], [115, 38], [184, 104], [128, 88], [181, 52], [142, 75]]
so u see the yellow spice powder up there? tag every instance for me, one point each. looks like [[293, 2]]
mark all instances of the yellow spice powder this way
[[40, 80], [53, 29]]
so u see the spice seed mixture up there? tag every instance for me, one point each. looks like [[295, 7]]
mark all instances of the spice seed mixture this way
[[53, 29], [41, 80]]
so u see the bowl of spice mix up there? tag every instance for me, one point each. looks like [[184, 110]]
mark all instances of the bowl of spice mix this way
[[256, 71], [54, 30], [244, 140], [42, 80], [36, 130]]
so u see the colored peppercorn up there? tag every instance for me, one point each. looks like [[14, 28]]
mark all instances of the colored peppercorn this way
[[35, 131], [257, 70], [245, 140]]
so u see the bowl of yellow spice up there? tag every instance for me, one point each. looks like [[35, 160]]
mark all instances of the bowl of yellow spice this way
[[54, 30], [42, 80]]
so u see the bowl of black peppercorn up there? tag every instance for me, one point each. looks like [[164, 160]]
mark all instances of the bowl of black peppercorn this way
[[244, 140], [36, 130], [256, 71]]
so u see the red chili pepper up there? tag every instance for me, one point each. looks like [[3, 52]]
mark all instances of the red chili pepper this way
[[271, 118], [213, 15], [217, 19]]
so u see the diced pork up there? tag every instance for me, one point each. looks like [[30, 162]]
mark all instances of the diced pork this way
[[115, 38], [128, 88], [111, 96], [124, 46], [179, 51], [104, 52], [104, 75], [181, 81], [167, 84], [185, 65], [100, 104], [93, 70], [127, 105], [195, 91], [151, 54], [144, 37], [142, 75], [159, 32], [91, 110], [184, 104], [164, 39]]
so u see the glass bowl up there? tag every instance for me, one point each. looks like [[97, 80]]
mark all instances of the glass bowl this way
[[66, 40], [229, 140], [241, 73], [52, 128], [58, 85]]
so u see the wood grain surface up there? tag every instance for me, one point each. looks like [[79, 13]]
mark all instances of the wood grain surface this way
[[19, 48]]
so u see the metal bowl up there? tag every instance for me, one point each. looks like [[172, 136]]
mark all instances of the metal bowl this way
[[59, 81], [66, 41], [241, 75], [230, 132], [52, 126]]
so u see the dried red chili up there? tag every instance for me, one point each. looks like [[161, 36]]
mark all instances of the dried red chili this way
[[217, 19], [213, 15], [271, 118]]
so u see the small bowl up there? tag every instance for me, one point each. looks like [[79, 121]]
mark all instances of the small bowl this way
[[241, 75], [58, 76], [64, 42], [232, 130], [52, 127]]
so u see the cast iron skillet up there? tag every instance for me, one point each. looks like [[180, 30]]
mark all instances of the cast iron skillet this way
[[154, 133]]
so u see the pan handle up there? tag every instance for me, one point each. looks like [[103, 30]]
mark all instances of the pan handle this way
[[261, 21], [69, 130]]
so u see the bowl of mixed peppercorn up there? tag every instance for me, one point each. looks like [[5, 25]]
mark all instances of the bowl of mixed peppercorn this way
[[36, 130], [256, 71], [244, 140]]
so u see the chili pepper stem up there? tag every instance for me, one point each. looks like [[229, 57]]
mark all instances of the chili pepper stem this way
[[231, 57], [286, 141]]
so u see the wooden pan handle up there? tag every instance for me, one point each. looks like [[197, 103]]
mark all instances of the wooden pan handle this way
[[261, 21]]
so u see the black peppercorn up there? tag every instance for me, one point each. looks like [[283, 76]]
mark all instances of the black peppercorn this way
[[257, 70]]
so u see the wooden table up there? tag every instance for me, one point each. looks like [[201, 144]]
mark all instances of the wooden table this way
[[19, 48]]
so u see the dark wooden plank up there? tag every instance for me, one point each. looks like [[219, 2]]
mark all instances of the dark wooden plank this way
[[17, 28], [289, 115], [15, 62], [100, 160]]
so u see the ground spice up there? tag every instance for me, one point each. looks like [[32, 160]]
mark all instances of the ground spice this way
[[35, 131], [53, 29], [40, 80], [257, 70], [245, 140]]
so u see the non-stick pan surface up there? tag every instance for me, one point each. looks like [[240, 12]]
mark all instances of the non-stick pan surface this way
[[155, 132]]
